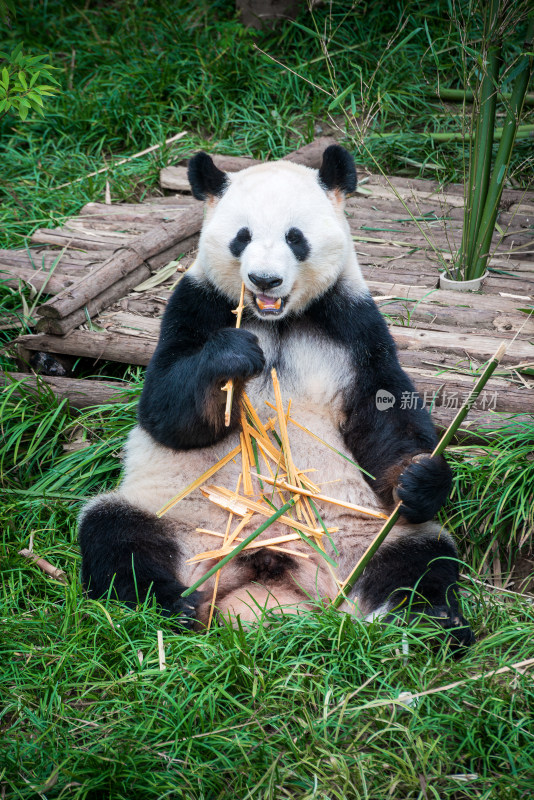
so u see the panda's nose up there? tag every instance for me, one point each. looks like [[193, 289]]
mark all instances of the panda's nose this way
[[264, 282]]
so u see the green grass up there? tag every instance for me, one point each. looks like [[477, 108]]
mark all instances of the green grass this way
[[301, 707], [130, 79]]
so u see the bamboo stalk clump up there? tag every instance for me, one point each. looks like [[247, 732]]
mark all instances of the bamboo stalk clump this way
[[293, 489]]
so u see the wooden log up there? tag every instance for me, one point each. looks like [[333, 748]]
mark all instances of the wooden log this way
[[460, 344], [63, 238], [417, 274], [175, 179], [98, 346], [109, 226], [455, 300], [422, 184], [174, 252], [38, 278], [80, 393], [106, 298], [469, 319], [163, 236], [142, 211], [70, 261], [311, 155], [449, 390]]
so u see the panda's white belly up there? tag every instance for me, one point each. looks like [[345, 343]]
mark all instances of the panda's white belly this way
[[312, 374]]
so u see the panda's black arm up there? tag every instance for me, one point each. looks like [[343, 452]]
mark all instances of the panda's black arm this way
[[182, 405], [384, 440]]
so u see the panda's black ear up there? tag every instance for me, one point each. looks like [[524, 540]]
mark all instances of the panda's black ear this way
[[205, 178], [337, 170]]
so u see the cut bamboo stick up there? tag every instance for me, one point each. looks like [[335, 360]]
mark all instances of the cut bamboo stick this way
[[241, 546], [263, 543], [225, 497], [199, 481], [246, 463], [222, 551], [218, 575], [324, 498], [229, 386]]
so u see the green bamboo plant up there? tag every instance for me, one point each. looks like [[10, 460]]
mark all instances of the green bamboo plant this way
[[487, 176]]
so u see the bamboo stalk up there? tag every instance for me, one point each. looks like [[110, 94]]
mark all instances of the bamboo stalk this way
[[350, 581], [480, 155], [44, 565], [199, 481], [466, 95], [241, 546], [510, 129], [229, 386], [350, 506]]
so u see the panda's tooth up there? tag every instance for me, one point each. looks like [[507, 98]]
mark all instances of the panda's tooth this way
[[278, 303]]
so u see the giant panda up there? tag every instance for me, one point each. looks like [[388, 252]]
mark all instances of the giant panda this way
[[280, 228]]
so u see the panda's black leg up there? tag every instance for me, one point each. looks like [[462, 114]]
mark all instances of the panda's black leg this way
[[413, 575], [133, 552]]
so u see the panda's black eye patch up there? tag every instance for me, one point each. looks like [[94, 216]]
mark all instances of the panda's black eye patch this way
[[240, 241], [298, 244]]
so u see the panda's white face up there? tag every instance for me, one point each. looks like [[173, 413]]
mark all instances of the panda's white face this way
[[276, 230]]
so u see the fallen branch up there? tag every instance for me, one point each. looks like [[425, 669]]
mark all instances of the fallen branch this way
[[44, 565]]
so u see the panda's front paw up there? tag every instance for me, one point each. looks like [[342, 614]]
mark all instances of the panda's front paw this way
[[423, 488], [235, 353]]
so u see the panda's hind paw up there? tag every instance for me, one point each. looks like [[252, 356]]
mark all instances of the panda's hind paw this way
[[183, 610], [454, 628]]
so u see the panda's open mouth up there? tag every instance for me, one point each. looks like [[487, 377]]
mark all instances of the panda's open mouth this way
[[269, 306]]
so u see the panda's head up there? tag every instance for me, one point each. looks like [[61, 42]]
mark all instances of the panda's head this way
[[278, 227]]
